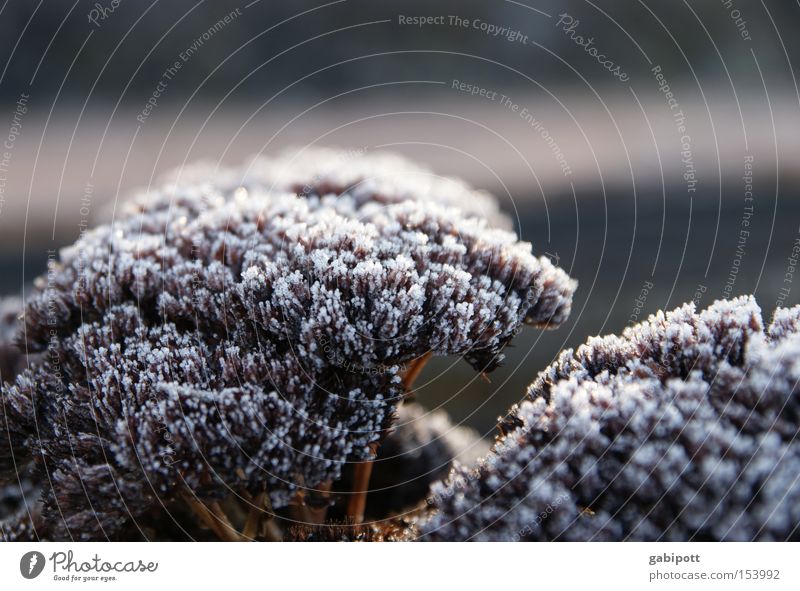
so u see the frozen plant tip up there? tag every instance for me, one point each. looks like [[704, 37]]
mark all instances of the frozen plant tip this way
[[684, 428], [243, 341]]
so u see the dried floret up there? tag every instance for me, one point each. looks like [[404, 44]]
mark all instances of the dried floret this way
[[220, 340], [684, 428]]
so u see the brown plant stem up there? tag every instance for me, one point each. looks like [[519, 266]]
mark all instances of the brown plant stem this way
[[269, 527], [214, 519], [318, 514], [358, 499], [260, 523], [220, 515], [254, 517], [298, 508], [414, 369]]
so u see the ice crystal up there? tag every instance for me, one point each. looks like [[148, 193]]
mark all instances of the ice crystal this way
[[221, 337], [683, 428]]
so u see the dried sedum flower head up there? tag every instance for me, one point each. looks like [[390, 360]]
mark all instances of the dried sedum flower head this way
[[364, 176], [683, 428], [220, 340]]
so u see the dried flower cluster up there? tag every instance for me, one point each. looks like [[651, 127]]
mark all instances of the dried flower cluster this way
[[374, 177], [684, 428], [249, 338]]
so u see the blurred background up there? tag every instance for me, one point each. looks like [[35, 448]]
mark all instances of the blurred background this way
[[651, 149]]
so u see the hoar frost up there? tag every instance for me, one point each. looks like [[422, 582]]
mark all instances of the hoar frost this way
[[247, 333], [683, 428]]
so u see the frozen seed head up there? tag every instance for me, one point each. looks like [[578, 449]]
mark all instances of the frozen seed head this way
[[363, 175], [684, 428], [221, 338]]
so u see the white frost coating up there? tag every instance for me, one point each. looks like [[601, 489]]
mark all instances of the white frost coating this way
[[361, 177], [684, 428], [222, 336]]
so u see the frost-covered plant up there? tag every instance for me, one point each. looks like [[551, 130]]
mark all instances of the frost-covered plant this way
[[16, 485], [11, 364], [221, 341], [11, 358], [365, 176], [419, 451], [684, 428]]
